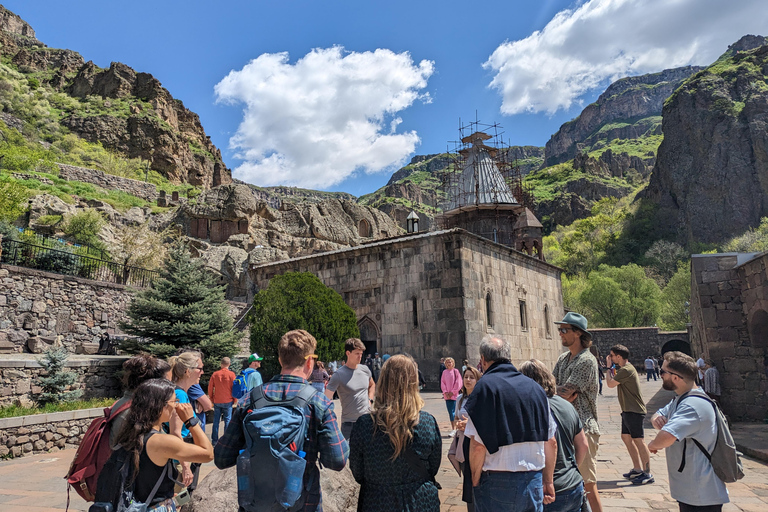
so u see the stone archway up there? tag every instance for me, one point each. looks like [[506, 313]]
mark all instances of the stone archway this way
[[677, 345], [369, 335], [758, 329], [364, 228]]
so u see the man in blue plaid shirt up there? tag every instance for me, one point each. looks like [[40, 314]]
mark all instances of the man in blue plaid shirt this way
[[296, 352]]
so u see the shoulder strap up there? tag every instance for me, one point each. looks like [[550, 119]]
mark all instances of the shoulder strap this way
[[685, 441], [112, 414]]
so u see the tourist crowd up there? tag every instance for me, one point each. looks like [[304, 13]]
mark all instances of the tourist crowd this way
[[523, 438]]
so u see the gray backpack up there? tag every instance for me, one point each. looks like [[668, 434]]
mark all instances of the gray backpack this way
[[724, 458]]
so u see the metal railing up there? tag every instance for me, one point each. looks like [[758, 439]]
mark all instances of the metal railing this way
[[29, 255], [62, 244]]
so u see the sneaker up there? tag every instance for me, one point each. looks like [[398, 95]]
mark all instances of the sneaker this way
[[643, 478], [632, 474]]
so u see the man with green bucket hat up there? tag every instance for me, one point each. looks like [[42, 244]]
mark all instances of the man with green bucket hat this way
[[576, 376]]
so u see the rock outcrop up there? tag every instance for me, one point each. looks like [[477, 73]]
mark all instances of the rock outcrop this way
[[710, 181], [144, 122], [628, 100], [218, 491]]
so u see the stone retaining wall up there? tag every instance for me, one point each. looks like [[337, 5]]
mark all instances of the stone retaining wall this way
[[41, 305], [43, 433], [106, 181], [641, 342], [96, 376]]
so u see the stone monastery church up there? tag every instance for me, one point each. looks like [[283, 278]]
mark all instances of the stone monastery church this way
[[437, 293]]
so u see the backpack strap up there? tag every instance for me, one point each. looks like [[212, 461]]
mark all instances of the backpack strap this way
[[113, 413], [300, 399], [685, 441]]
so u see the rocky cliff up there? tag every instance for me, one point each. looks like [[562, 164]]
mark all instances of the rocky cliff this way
[[619, 113], [135, 115], [710, 181]]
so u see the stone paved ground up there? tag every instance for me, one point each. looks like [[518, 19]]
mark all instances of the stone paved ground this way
[[35, 483]]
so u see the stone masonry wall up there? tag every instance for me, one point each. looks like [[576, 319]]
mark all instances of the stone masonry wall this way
[[728, 292], [641, 342], [146, 191], [445, 275], [44, 433], [37, 304], [96, 376]]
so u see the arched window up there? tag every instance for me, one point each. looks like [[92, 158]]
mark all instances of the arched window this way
[[364, 228], [414, 303], [547, 328], [488, 310]]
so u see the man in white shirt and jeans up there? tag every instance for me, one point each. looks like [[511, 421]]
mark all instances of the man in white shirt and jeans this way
[[512, 451], [355, 386]]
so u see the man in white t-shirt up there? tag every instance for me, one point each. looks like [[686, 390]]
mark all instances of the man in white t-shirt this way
[[354, 383], [697, 487]]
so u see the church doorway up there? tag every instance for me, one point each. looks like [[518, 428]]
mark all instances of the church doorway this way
[[676, 345], [758, 329], [369, 335]]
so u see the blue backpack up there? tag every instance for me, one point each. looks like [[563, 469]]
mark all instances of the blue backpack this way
[[270, 470], [240, 384]]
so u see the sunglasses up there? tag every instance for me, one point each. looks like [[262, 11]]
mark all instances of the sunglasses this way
[[313, 356], [662, 372], [564, 330]]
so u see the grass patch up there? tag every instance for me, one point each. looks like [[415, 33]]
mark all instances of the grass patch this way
[[12, 411]]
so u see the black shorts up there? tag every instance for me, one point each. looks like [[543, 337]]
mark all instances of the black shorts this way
[[632, 424]]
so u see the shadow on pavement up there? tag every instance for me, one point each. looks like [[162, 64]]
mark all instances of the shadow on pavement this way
[[659, 400]]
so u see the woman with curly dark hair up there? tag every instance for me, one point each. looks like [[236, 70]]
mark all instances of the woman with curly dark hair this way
[[136, 370], [150, 450]]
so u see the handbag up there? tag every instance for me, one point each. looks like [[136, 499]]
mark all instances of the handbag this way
[[456, 451]]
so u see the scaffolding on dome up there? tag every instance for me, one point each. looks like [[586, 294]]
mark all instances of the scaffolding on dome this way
[[483, 188]]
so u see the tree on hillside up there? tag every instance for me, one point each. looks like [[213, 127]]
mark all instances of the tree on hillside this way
[[299, 300], [183, 308], [13, 199], [664, 258], [621, 297], [675, 300], [754, 240]]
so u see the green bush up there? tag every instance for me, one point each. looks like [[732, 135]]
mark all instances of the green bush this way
[[299, 300], [84, 226]]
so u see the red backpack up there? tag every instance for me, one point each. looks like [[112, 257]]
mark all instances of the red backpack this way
[[91, 455]]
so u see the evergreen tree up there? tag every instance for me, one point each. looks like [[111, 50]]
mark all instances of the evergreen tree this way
[[299, 300], [183, 308], [55, 385]]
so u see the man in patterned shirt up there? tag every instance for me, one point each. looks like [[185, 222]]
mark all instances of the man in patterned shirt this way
[[576, 376], [296, 352]]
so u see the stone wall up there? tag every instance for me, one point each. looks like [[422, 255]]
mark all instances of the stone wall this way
[[729, 315], [96, 376], [426, 295], [146, 191], [40, 305], [44, 433], [37, 307], [641, 342]]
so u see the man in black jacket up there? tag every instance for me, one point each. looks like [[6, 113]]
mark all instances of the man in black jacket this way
[[512, 436]]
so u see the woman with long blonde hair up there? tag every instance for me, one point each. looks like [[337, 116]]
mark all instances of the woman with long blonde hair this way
[[395, 450]]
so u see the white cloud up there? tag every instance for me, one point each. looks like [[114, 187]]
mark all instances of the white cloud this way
[[603, 40], [315, 122]]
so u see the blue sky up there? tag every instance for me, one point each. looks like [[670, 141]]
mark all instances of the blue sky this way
[[336, 95]]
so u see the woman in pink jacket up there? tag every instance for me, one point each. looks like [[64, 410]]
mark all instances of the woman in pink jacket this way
[[451, 383]]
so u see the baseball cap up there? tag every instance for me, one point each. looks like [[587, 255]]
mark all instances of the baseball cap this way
[[254, 357]]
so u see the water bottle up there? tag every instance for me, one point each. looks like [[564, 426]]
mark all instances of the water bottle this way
[[294, 481], [243, 478]]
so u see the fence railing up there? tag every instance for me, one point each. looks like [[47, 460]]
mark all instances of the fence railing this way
[[29, 255], [60, 243]]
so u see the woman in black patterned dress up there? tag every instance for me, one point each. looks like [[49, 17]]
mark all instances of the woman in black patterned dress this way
[[395, 450]]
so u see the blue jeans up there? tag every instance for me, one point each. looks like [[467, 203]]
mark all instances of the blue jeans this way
[[501, 491], [567, 501], [451, 405], [220, 410]]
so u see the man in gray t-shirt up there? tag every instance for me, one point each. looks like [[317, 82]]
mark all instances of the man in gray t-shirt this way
[[355, 386]]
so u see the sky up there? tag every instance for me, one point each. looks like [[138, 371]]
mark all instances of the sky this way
[[337, 95]]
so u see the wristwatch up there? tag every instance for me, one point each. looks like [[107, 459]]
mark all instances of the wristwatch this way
[[191, 422]]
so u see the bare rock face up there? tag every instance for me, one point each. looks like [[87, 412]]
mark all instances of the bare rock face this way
[[633, 97], [710, 181], [13, 24], [218, 491]]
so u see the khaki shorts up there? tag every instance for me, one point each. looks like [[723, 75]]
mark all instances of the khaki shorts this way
[[588, 468]]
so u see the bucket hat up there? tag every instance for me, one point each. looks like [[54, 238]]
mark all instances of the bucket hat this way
[[576, 320]]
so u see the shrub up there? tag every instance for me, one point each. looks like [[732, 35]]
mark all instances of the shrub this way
[[84, 226]]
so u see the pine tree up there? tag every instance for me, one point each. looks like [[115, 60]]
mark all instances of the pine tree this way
[[183, 308], [299, 300], [56, 384]]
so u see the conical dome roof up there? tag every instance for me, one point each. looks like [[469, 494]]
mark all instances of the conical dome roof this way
[[480, 182]]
